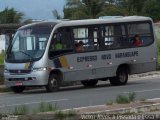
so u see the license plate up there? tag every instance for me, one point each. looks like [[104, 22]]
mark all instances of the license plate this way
[[19, 84]]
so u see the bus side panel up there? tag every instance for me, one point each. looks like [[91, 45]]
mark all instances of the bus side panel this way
[[142, 67], [147, 60], [89, 74], [102, 64]]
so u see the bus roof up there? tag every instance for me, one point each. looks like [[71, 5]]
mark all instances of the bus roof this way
[[101, 21], [42, 23], [59, 23]]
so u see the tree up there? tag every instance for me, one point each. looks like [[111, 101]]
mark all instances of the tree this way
[[88, 9], [152, 9], [131, 7], [83, 9], [10, 16], [93, 7], [112, 10], [56, 14], [74, 10]]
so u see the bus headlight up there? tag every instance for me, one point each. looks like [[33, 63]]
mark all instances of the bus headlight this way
[[40, 69], [6, 70]]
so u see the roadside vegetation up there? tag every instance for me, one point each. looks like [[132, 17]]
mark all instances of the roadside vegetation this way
[[85, 9], [20, 110], [158, 44], [5, 89], [123, 99], [157, 31], [50, 111], [63, 115], [1, 58], [158, 56], [1, 70], [45, 107], [24, 112]]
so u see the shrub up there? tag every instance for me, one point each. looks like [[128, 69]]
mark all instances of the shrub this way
[[122, 99], [45, 107], [2, 58], [71, 113], [20, 110], [110, 102], [131, 96], [60, 115]]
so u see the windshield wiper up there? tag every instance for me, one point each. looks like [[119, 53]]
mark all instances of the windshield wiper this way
[[31, 58]]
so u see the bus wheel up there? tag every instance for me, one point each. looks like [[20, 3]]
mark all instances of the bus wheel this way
[[18, 89], [121, 77], [53, 84], [89, 83]]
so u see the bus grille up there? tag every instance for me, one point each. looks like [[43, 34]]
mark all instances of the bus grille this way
[[19, 71], [16, 79]]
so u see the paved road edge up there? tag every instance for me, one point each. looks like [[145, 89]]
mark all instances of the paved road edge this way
[[140, 110]]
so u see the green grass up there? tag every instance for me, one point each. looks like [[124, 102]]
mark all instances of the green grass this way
[[2, 58], [158, 47], [122, 99], [45, 107], [60, 115], [4, 89], [71, 113], [131, 96], [20, 110], [1, 80], [110, 102], [157, 33], [1, 70]]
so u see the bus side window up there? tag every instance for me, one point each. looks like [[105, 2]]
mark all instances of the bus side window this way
[[114, 36], [89, 37], [142, 30], [80, 35]]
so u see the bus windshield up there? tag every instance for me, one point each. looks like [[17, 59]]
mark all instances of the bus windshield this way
[[28, 44]]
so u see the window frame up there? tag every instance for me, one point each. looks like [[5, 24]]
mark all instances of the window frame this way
[[100, 40], [151, 34], [113, 36], [63, 51]]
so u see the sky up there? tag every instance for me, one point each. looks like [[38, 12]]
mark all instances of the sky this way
[[35, 9]]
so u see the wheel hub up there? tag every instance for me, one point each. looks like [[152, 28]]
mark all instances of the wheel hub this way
[[53, 83], [122, 77]]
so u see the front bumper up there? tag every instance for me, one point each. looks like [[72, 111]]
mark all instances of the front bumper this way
[[38, 78]]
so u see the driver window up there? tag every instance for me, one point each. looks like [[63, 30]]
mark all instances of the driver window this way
[[61, 42], [56, 43]]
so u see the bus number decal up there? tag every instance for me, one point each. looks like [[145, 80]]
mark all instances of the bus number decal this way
[[86, 58]]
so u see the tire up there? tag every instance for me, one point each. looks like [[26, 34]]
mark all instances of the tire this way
[[121, 77], [53, 83], [89, 83], [18, 89]]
